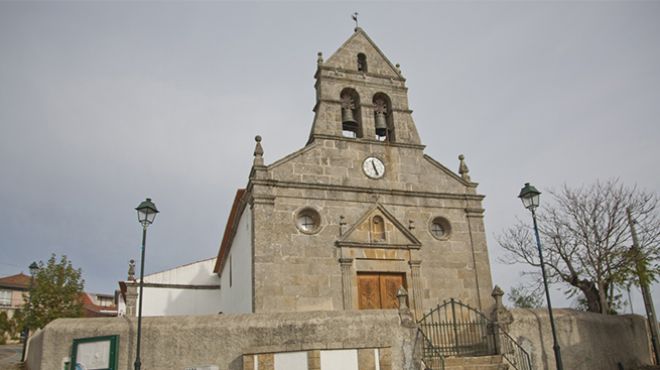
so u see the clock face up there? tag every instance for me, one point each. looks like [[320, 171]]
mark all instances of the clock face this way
[[373, 167]]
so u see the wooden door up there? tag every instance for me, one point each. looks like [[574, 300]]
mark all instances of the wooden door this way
[[378, 290]]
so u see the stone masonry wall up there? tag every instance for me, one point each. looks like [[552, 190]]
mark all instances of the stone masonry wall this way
[[179, 342], [588, 341]]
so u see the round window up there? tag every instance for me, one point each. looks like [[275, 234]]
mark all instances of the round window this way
[[440, 228], [308, 220]]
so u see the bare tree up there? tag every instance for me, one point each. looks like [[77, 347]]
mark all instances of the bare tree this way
[[586, 241]]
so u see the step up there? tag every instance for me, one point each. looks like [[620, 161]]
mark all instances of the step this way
[[476, 363]]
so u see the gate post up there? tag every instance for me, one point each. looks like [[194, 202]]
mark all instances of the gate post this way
[[501, 318]]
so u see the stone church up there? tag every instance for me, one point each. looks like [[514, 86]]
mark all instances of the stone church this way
[[342, 225], [359, 211]]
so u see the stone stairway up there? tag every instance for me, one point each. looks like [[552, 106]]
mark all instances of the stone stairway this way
[[495, 362]]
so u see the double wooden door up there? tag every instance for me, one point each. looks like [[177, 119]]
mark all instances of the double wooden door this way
[[378, 289]]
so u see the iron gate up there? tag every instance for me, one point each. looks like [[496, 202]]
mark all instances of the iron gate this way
[[457, 329]]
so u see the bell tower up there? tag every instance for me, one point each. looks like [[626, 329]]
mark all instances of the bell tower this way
[[360, 211], [361, 95]]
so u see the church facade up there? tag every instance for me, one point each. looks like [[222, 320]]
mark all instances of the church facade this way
[[359, 211]]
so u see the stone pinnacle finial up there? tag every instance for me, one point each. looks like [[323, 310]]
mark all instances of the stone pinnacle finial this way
[[463, 168], [258, 152], [131, 270], [319, 58], [497, 292]]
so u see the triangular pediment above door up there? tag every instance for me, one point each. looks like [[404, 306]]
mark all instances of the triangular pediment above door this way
[[378, 228]]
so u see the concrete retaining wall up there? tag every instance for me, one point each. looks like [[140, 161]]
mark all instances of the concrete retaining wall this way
[[588, 341], [193, 341]]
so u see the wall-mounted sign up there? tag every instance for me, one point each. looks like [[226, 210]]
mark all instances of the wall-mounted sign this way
[[94, 353]]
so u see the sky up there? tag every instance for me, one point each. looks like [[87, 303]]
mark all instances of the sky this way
[[103, 104]]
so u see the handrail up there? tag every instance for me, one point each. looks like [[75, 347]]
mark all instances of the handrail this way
[[431, 354], [514, 353]]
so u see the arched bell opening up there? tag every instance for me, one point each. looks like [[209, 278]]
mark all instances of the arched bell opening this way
[[351, 121], [362, 63], [383, 118]]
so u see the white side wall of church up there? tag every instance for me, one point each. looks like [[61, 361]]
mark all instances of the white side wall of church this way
[[196, 273], [236, 280], [191, 300], [174, 301]]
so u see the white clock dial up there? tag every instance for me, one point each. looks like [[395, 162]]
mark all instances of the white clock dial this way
[[373, 167]]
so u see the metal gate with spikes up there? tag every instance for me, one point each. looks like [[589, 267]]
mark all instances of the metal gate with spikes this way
[[456, 329]]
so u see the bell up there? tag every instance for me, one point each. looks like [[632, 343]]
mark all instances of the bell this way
[[348, 123], [381, 125]]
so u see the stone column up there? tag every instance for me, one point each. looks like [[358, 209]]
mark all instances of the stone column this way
[[416, 288], [500, 316], [347, 282], [131, 291], [131, 299]]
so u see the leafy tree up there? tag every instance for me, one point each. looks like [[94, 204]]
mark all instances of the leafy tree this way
[[523, 297], [56, 292], [5, 327], [586, 240]]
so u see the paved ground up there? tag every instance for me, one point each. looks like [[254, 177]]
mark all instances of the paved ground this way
[[10, 356]]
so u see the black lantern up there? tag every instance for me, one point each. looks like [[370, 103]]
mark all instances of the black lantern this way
[[530, 196], [34, 268], [146, 212]]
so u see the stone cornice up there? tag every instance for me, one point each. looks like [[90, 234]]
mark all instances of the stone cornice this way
[[340, 243], [368, 141], [475, 212], [354, 74], [367, 190]]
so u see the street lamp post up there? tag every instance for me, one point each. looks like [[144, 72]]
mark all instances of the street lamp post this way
[[34, 268], [146, 214], [530, 198]]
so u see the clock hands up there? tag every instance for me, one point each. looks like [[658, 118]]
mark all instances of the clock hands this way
[[373, 164]]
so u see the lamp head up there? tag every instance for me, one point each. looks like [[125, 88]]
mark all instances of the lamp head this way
[[146, 212], [529, 196], [34, 268]]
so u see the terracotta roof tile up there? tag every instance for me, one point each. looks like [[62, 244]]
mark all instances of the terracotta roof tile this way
[[228, 236], [19, 281]]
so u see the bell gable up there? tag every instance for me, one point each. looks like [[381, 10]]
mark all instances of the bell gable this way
[[360, 54]]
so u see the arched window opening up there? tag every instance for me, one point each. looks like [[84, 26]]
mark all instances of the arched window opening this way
[[377, 229], [351, 125], [383, 118], [362, 63]]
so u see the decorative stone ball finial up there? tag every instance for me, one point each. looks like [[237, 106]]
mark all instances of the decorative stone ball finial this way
[[497, 294], [131, 270], [463, 169], [500, 314], [319, 58], [258, 152]]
